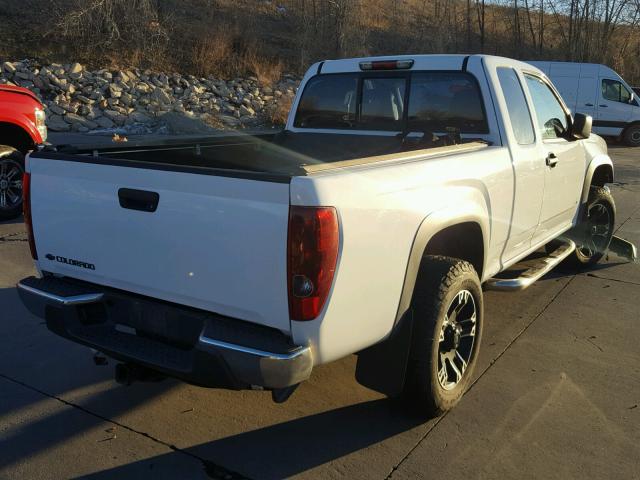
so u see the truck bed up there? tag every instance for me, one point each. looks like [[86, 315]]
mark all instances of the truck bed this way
[[264, 156], [202, 223]]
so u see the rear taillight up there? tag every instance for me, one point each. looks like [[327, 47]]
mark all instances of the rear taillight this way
[[312, 254], [26, 210]]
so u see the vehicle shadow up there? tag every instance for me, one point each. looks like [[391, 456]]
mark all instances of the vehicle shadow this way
[[292, 447], [38, 396], [563, 270], [37, 433], [13, 221], [39, 418]]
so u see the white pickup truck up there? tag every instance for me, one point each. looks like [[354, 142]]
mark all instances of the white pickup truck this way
[[399, 189]]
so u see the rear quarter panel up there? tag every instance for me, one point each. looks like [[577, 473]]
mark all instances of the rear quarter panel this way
[[380, 210]]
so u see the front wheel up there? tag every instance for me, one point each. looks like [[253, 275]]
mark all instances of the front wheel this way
[[593, 234], [11, 170], [448, 316]]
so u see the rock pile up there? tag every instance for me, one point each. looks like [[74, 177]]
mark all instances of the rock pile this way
[[77, 99]]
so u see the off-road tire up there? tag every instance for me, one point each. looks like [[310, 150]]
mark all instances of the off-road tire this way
[[599, 198], [440, 280], [11, 163]]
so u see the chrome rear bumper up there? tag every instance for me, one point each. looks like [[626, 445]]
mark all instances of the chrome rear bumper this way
[[196, 346]]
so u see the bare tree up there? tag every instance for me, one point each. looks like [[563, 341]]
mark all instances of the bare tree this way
[[115, 25], [605, 31], [480, 11]]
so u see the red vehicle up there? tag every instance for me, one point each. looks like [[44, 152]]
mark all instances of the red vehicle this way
[[22, 127]]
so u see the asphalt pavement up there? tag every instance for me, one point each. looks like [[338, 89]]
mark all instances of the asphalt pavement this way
[[556, 396]]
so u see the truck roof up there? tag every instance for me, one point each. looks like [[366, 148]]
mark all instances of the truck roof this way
[[420, 62]]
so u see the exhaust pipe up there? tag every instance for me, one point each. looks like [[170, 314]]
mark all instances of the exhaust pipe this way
[[124, 375], [127, 373], [99, 358]]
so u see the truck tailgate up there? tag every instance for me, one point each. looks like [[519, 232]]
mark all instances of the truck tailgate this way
[[214, 242]]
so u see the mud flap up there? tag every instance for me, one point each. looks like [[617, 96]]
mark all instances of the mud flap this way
[[383, 366]]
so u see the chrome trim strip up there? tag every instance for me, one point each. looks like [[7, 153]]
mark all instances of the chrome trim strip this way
[[63, 301], [254, 351]]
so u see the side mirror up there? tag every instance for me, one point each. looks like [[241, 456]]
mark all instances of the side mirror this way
[[581, 127]]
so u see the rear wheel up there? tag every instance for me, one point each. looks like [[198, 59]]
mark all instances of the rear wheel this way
[[11, 170], [448, 315]]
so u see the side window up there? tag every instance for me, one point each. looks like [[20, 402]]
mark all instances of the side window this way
[[382, 104], [552, 119], [517, 106], [440, 101], [615, 91], [328, 101]]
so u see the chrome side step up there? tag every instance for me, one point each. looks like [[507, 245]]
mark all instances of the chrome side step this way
[[541, 268]]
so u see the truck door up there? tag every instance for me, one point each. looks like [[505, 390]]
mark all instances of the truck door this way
[[564, 160], [528, 171], [615, 107]]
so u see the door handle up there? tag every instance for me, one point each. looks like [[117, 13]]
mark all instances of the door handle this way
[[551, 160], [588, 104], [141, 200], [603, 106]]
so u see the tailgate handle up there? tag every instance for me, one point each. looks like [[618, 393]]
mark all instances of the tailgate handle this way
[[138, 199]]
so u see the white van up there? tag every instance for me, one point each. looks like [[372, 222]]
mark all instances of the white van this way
[[598, 91]]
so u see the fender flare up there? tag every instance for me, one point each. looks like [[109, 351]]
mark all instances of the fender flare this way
[[382, 367], [431, 225], [597, 162], [25, 124]]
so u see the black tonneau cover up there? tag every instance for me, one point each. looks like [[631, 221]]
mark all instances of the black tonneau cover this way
[[269, 156]]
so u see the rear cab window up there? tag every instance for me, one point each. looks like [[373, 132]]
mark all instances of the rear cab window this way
[[417, 101], [328, 102], [382, 106], [440, 101]]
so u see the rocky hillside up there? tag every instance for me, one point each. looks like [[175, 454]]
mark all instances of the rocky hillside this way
[[80, 100]]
